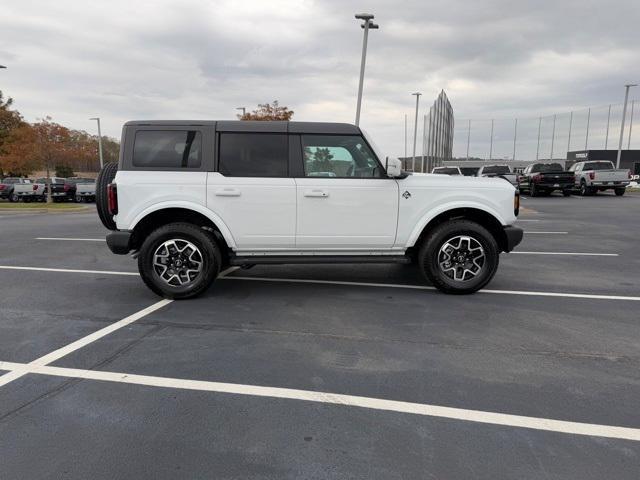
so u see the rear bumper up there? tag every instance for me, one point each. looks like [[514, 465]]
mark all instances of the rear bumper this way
[[555, 186], [614, 184], [513, 237], [118, 242]]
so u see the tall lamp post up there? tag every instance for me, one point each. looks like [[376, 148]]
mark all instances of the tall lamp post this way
[[368, 24], [97, 119], [415, 131], [624, 114]]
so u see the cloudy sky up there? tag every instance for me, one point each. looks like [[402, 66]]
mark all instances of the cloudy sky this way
[[123, 60]]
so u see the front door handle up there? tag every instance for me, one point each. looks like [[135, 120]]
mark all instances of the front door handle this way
[[316, 193], [227, 192]]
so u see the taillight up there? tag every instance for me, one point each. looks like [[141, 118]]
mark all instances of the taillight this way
[[536, 178], [35, 187], [2, 186], [516, 203], [592, 175], [67, 187], [112, 197], [629, 174]]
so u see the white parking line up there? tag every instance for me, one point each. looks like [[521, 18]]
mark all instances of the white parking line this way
[[478, 416], [73, 239], [579, 254], [225, 273], [545, 233], [72, 347]]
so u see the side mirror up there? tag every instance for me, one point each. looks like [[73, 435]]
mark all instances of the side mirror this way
[[393, 167]]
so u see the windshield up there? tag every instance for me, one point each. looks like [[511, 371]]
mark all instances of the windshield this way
[[547, 167], [499, 169], [598, 166], [374, 147], [446, 171]]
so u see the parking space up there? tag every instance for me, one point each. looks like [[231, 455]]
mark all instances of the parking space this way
[[325, 371]]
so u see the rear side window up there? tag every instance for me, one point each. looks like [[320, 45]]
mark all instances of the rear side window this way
[[253, 155], [598, 166], [167, 149]]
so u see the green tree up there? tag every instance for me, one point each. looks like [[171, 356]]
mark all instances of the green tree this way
[[268, 112], [64, 171], [322, 160]]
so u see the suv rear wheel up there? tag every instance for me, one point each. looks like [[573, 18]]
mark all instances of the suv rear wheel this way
[[179, 260], [459, 257]]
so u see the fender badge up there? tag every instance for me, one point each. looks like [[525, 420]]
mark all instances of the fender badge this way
[[406, 194]]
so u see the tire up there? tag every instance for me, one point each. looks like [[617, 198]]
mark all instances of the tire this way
[[566, 193], [533, 191], [433, 253], [105, 177], [78, 199], [184, 286], [619, 191], [584, 190], [14, 198]]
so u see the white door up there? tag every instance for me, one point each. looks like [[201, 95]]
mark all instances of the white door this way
[[251, 191], [345, 199]]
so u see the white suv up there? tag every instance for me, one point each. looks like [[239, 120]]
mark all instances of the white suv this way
[[189, 198]]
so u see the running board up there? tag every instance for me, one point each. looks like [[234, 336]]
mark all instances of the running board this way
[[240, 261]]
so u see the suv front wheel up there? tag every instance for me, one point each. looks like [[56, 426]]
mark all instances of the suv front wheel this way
[[179, 260], [459, 257]]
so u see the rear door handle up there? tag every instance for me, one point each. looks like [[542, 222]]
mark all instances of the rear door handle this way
[[316, 193], [227, 192]]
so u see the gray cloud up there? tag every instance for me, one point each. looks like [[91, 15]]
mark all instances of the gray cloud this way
[[201, 59]]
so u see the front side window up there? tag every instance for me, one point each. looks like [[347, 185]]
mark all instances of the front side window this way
[[253, 155], [339, 156], [167, 149]]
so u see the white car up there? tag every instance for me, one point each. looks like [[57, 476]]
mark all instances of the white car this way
[[192, 197]]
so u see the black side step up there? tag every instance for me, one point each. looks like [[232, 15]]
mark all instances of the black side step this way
[[284, 259]]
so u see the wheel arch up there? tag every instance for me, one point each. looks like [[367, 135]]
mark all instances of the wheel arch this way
[[489, 220], [151, 219]]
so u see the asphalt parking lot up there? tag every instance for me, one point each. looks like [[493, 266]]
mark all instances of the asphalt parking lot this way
[[325, 371]]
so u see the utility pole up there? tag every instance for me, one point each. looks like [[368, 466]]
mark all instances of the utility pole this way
[[368, 24], [630, 125], [606, 140], [538, 147], [570, 125], [99, 141], [468, 138], [553, 137], [586, 138], [491, 142], [424, 141], [624, 114], [515, 133], [415, 131]]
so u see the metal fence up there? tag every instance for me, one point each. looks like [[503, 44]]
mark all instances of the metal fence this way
[[549, 136]]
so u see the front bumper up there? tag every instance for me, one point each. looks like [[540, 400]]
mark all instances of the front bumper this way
[[513, 236], [118, 242]]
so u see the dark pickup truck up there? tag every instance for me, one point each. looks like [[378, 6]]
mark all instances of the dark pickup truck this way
[[544, 178]]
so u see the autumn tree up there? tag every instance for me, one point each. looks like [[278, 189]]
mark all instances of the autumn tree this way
[[267, 112], [51, 146], [9, 121], [18, 157]]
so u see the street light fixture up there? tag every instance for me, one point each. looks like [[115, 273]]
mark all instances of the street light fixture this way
[[97, 119], [2, 66], [624, 115], [415, 131], [368, 24], [244, 110]]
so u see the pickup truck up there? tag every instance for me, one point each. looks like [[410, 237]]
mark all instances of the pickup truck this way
[[85, 189], [599, 175], [7, 187], [447, 170], [58, 192], [544, 178], [26, 192], [187, 209], [502, 171]]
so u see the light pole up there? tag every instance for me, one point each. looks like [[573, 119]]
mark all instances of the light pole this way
[[97, 119], [570, 125], [468, 138], [624, 114], [368, 24], [633, 102], [586, 138], [606, 139], [553, 138], [415, 131], [405, 137], [491, 142], [515, 133], [538, 147], [244, 110]]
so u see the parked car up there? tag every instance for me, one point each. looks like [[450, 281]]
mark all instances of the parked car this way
[[58, 192], [7, 187], [447, 170], [592, 177], [26, 192], [84, 189], [544, 178], [189, 210], [502, 171]]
